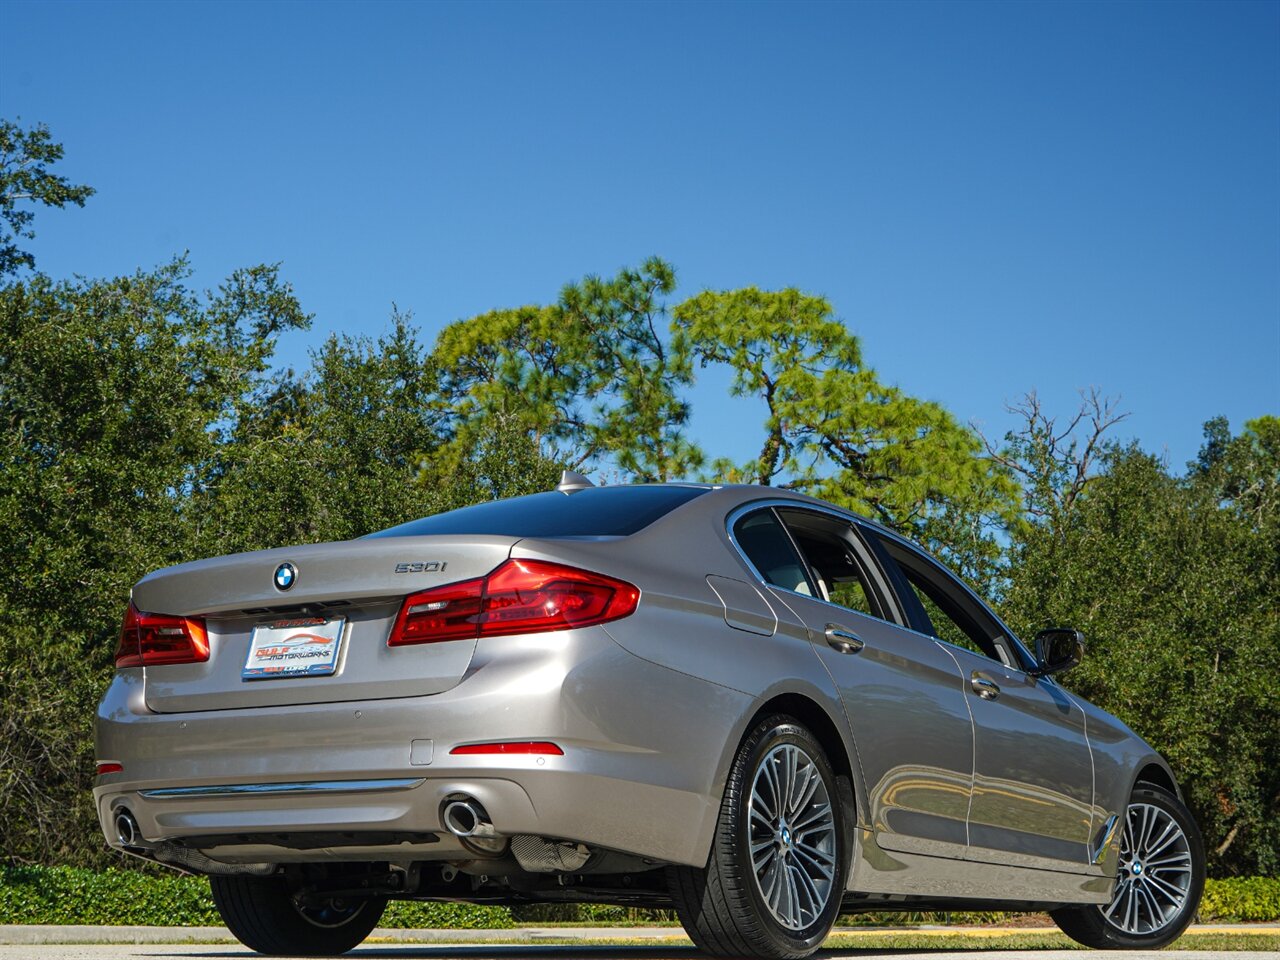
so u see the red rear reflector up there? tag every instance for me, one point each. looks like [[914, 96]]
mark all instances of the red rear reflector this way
[[105, 768], [152, 639], [520, 596], [518, 746]]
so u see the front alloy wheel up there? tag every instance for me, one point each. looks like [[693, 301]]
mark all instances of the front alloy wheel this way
[[1158, 884], [773, 883], [1155, 872]]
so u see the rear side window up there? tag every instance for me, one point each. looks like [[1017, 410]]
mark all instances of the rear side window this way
[[770, 551], [836, 561], [593, 512]]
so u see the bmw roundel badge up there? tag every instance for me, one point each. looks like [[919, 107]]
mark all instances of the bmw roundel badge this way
[[286, 576]]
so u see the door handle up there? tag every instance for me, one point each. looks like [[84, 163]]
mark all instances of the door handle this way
[[842, 640], [986, 689]]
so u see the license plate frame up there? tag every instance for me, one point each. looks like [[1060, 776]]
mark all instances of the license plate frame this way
[[294, 647]]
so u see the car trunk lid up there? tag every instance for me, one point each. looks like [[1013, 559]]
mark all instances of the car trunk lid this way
[[352, 589]]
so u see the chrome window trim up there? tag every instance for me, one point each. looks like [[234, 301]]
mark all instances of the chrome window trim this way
[[1004, 653], [1019, 648], [771, 504], [869, 525], [731, 521], [267, 789]]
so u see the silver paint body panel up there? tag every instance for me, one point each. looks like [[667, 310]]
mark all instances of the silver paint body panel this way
[[912, 732], [955, 796]]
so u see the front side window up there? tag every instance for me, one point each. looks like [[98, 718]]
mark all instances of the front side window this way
[[948, 611], [946, 628]]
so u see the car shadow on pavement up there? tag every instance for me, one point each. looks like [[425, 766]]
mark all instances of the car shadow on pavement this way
[[532, 952], [477, 952]]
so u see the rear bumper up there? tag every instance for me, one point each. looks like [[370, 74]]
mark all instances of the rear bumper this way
[[641, 743]]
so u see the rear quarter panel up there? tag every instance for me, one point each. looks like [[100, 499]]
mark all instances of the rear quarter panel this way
[[681, 625]]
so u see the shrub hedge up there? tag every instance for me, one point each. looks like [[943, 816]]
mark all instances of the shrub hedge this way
[[124, 897], [117, 897], [1241, 899]]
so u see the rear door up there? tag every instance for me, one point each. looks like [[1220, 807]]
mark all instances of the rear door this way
[[901, 692], [1033, 772]]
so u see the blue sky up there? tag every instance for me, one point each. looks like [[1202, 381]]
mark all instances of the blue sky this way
[[996, 197]]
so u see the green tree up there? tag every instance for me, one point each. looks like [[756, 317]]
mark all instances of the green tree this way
[[142, 426], [1176, 583], [353, 446], [1055, 462], [592, 377], [506, 461], [330, 455], [25, 158], [112, 397], [834, 430], [113, 394], [1244, 471]]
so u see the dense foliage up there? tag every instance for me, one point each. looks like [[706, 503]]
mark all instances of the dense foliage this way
[[1175, 580], [145, 423], [141, 427], [117, 897], [834, 430], [114, 897]]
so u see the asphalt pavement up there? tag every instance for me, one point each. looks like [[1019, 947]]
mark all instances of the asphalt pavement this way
[[662, 943], [119, 951]]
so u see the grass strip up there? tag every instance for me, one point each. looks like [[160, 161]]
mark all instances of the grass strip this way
[[1022, 940]]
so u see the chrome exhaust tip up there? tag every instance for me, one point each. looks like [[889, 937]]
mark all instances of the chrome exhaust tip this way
[[466, 818], [127, 830]]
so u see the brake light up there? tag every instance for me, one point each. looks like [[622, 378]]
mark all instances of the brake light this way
[[509, 747], [520, 596], [444, 613], [109, 766], [152, 639]]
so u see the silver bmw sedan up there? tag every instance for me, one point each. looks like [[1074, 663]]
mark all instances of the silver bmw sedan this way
[[736, 701]]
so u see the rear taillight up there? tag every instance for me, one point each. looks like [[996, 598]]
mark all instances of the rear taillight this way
[[152, 639], [445, 613], [520, 596]]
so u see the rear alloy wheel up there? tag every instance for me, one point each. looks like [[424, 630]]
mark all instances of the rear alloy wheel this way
[[1158, 884], [773, 883], [264, 916]]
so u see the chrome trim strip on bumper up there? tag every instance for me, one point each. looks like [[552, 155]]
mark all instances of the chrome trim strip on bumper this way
[[267, 789]]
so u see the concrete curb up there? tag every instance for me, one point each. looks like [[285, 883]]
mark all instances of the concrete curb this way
[[18, 934]]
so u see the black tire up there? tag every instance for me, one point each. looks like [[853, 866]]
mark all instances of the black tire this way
[[263, 915], [1092, 926], [723, 906]]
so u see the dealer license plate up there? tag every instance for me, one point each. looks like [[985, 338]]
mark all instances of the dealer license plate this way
[[302, 647]]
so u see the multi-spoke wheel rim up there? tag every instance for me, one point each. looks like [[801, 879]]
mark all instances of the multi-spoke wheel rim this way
[[1155, 872], [792, 836]]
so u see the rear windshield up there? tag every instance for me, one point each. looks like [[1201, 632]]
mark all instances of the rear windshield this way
[[593, 512]]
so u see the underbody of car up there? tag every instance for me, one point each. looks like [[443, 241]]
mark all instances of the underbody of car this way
[[656, 695]]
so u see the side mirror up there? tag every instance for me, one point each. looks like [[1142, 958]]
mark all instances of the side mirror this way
[[1058, 649]]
